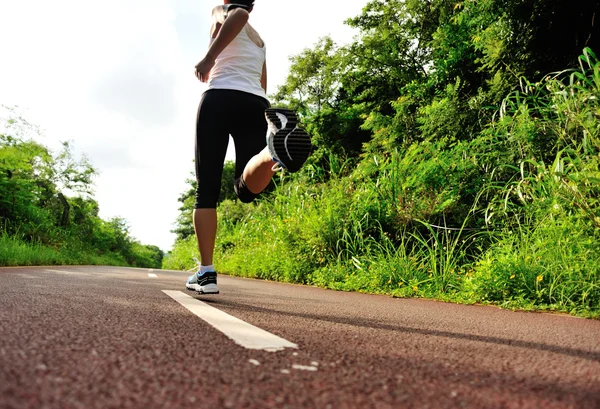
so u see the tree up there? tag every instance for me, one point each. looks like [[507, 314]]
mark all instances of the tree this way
[[46, 198]]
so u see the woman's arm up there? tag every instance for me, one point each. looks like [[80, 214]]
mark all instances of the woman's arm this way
[[229, 29]]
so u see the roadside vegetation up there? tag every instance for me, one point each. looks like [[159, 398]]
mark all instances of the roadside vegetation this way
[[48, 215], [457, 158]]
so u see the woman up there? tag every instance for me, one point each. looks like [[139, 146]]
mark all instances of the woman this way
[[236, 104]]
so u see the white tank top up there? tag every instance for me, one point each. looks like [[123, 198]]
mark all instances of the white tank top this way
[[239, 66]]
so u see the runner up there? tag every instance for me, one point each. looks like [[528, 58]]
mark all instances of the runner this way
[[236, 104]]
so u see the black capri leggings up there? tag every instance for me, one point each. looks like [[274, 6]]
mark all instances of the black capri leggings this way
[[222, 113]]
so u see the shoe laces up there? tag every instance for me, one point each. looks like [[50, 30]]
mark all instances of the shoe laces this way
[[278, 166], [198, 264]]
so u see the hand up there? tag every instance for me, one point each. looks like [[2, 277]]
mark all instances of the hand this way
[[203, 69]]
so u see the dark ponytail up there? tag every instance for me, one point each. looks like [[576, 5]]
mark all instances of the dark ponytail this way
[[244, 3]]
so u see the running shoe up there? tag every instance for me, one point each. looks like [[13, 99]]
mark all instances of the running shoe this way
[[204, 284], [288, 144]]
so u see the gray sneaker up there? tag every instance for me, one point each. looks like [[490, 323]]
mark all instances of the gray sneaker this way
[[288, 144], [204, 284]]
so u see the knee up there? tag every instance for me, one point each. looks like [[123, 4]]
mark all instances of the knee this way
[[242, 191], [205, 204], [205, 201]]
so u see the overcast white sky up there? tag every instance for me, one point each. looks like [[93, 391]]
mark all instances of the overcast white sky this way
[[116, 78]]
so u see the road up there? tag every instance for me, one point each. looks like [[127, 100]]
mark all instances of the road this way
[[105, 337]]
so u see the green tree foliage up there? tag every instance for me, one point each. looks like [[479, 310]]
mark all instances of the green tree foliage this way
[[418, 65], [46, 199], [313, 88]]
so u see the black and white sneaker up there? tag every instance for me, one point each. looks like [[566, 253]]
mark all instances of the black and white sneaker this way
[[288, 144], [204, 284]]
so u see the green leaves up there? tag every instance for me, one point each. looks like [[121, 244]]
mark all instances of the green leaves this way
[[37, 210], [313, 79]]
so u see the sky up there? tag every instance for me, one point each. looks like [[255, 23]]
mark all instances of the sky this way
[[116, 79]]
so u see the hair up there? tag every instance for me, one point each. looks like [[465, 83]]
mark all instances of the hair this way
[[248, 3]]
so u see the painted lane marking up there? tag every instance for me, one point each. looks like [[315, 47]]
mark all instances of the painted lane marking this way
[[60, 271], [305, 368], [240, 332], [152, 275]]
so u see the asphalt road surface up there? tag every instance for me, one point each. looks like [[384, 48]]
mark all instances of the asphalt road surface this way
[[105, 337]]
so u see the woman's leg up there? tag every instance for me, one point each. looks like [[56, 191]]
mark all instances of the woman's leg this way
[[259, 171], [289, 146], [253, 163], [212, 137], [205, 226]]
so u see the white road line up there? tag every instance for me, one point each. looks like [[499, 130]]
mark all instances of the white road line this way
[[240, 332], [152, 275], [60, 271], [305, 368]]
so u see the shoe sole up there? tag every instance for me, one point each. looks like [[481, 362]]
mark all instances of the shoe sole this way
[[291, 144], [207, 289], [272, 117]]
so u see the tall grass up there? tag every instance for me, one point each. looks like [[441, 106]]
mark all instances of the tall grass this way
[[548, 251], [16, 252], [549, 264]]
